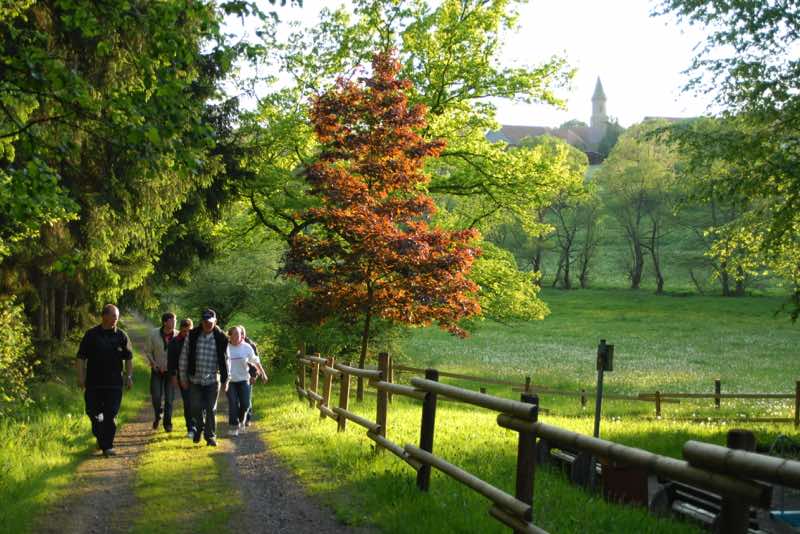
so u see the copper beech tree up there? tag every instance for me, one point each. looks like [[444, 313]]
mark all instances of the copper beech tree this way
[[369, 251]]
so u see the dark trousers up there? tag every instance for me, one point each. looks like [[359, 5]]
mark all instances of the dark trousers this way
[[238, 401], [187, 408], [203, 402], [105, 402], [161, 389]]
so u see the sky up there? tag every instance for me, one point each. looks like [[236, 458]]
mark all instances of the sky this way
[[640, 59]]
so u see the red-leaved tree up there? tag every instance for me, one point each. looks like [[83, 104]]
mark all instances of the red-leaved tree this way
[[370, 251]]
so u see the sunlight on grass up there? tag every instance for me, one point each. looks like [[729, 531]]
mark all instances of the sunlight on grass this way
[[183, 487], [342, 469], [53, 439]]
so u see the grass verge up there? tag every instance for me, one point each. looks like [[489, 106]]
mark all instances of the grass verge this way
[[362, 487], [183, 487], [53, 437]]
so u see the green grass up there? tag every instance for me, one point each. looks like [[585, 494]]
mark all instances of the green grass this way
[[53, 437], [183, 487], [666, 343], [669, 343], [342, 470]]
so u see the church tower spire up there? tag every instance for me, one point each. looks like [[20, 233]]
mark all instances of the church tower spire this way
[[599, 117]]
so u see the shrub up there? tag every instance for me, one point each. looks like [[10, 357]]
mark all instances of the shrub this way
[[16, 357]]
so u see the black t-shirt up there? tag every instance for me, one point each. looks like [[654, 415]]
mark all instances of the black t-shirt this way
[[104, 352]]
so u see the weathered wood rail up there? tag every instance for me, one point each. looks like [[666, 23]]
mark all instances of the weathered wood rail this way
[[657, 398], [738, 477]]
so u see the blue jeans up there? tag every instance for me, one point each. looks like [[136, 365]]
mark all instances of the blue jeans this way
[[238, 401], [203, 403], [187, 409], [105, 401], [161, 388], [250, 410]]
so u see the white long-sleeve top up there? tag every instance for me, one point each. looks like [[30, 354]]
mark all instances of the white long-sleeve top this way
[[240, 356]]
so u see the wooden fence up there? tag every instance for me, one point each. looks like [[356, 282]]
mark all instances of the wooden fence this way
[[658, 398], [734, 475]]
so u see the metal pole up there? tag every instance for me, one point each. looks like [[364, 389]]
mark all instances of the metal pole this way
[[598, 403]]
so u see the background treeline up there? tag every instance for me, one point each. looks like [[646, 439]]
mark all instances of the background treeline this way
[[127, 173], [650, 216]]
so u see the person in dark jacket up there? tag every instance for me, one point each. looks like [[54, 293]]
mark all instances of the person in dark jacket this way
[[99, 363], [173, 355], [204, 366]]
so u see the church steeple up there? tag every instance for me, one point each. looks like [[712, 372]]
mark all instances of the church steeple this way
[[599, 117]]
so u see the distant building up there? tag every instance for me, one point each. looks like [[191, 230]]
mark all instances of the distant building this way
[[586, 138]]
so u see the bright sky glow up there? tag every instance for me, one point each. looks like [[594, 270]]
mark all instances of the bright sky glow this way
[[640, 59]]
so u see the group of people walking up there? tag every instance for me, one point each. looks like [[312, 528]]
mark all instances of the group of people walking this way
[[198, 361]]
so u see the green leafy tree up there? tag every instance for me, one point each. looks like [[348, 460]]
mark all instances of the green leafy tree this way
[[106, 124], [447, 52], [749, 63], [638, 182]]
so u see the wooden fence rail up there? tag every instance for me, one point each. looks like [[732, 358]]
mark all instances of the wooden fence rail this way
[[657, 397], [734, 475]]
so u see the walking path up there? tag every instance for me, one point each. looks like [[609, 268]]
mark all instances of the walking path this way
[[102, 499]]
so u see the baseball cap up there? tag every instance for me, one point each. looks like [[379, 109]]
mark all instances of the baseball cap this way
[[209, 315]]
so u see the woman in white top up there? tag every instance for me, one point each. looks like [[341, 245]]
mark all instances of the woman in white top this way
[[241, 355]]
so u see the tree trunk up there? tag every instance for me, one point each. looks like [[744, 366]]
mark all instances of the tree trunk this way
[[567, 281], [725, 280], [362, 359], [41, 316], [558, 271], [659, 277], [638, 265], [656, 260], [739, 282], [537, 260], [583, 278], [696, 282], [51, 310], [60, 331]]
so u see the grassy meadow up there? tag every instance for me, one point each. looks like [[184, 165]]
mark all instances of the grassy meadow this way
[[671, 343]]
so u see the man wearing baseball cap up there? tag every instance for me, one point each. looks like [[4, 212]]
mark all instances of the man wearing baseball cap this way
[[204, 364]]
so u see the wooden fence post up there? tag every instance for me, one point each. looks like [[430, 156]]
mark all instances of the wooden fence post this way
[[717, 391], [658, 404], [797, 403], [734, 515], [344, 399], [326, 388], [383, 397], [526, 458], [314, 380], [426, 431], [301, 369]]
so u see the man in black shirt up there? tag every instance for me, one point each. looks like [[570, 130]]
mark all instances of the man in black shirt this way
[[100, 358]]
